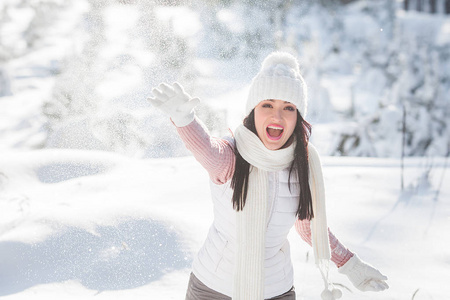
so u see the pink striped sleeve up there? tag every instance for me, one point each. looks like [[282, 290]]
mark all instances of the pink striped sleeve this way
[[339, 253], [214, 154]]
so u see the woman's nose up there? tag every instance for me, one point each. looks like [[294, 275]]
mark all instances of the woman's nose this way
[[276, 114]]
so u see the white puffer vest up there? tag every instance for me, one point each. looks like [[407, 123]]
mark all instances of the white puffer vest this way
[[215, 261]]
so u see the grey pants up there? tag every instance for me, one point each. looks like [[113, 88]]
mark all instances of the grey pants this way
[[198, 291]]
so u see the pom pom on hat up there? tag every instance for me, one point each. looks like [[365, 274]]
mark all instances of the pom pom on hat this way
[[281, 60], [279, 79]]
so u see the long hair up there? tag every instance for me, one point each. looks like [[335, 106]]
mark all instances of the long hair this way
[[299, 166]]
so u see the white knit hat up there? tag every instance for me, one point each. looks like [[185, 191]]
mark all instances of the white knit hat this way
[[278, 79]]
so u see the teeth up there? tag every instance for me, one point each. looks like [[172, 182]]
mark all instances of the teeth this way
[[276, 128]]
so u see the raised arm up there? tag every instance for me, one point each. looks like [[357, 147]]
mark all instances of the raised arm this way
[[216, 155]]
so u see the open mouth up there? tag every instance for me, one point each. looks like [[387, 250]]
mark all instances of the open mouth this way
[[274, 132]]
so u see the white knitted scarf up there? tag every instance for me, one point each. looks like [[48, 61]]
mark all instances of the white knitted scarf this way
[[251, 222]]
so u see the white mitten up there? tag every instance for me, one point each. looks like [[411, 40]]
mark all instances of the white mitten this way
[[175, 102], [364, 276]]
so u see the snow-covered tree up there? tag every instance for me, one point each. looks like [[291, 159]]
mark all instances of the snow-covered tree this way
[[44, 15], [428, 6], [402, 72], [5, 83], [74, 100]]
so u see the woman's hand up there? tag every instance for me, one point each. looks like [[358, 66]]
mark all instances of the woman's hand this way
[[364, 276], [175, 102]]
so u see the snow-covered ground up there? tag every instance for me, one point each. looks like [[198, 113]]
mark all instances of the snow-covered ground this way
[[83, 224]]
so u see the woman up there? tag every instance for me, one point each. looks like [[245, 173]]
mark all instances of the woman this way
[[264, 180]]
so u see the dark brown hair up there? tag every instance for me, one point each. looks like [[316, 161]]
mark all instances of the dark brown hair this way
[[299, 166]]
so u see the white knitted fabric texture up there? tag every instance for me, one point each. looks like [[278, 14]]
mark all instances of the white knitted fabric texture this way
[[278, 79], [319, 226], [251, 222]]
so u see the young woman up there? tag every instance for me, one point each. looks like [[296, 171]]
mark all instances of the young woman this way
[[264, 180]]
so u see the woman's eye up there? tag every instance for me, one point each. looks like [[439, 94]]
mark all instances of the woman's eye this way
[[290, 108], [266, 105]]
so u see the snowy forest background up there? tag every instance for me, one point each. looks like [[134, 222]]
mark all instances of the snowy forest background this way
[[378, 76], [100, 199]]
